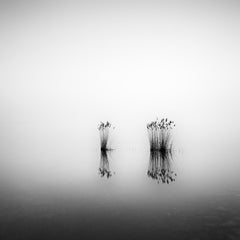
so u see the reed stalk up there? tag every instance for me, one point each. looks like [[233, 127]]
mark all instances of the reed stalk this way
[[159, 134]]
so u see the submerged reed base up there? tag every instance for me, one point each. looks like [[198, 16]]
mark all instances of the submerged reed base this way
[[160, 140]]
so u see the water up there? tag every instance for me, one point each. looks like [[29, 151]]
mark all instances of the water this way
[[55, 190]]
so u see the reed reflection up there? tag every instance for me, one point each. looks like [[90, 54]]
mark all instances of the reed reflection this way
[[160, 166], [104, 169], [160, 140]]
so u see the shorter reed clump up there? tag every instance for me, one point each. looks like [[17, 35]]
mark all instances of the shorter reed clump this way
[[159, 134], [104, 135]]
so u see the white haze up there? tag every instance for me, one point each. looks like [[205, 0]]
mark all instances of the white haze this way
[[67, 65]]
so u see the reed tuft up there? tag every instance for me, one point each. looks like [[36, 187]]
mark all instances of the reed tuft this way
[[159, 134], [104, 135]]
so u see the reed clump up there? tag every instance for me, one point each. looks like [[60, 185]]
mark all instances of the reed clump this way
[[160, 140], [104, 135], [159, 134]]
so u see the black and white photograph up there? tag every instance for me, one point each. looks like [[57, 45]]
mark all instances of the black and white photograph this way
[[119, 119]]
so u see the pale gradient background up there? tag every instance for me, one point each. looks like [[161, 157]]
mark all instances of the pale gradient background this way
[[66, 65]]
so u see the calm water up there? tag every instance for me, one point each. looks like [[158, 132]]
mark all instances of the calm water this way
[[55, 190]]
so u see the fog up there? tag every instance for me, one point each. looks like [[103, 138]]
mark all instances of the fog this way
[[67, 65]]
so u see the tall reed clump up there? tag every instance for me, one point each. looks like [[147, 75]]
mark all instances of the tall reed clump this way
[[104, 135], [159, 134]]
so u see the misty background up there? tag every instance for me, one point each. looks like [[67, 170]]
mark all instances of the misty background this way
[[67, 65]]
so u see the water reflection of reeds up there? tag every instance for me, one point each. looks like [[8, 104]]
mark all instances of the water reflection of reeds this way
[[160, 166], [104, 169]]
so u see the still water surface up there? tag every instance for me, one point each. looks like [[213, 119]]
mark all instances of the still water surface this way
[[65, 190]]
